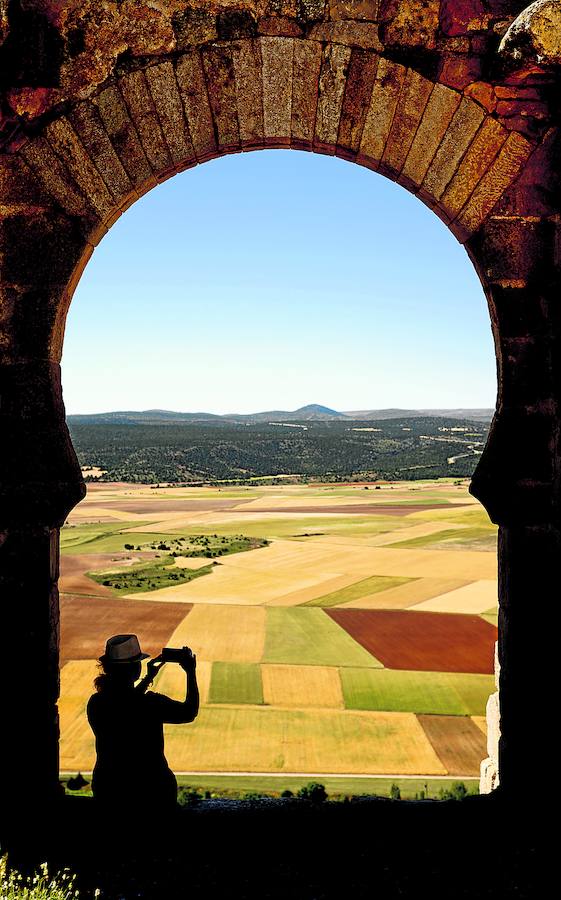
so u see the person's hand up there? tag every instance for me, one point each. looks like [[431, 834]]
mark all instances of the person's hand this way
[[189, 661], [154, 666]]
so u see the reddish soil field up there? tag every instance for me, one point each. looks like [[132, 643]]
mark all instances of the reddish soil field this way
[[457, 741], [357, 509], [87, 622], [73, 579], [422, 641]]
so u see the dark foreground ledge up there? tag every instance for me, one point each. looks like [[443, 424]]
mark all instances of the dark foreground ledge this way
[[478, 848]]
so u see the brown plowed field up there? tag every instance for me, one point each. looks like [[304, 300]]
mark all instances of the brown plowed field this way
[[356, 509], [87, 622], [422, 641], [457, 741], [73, 578]]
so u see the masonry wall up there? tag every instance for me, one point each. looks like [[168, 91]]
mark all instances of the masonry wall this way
[[456, 100]]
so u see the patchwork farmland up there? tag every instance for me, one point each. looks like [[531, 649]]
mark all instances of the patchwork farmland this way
[[340, 629]]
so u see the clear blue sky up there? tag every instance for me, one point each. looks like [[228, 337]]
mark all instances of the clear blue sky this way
[[275, 279]]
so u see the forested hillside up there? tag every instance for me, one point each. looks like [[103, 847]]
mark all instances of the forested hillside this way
[[404, 448]]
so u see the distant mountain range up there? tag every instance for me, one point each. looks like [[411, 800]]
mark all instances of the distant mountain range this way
[[311, 413]]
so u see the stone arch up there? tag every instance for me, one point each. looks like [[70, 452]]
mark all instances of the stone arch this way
[[389, 86]]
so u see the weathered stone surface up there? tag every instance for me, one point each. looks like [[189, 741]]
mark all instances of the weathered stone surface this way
[[463, 17], [66, 144], [461, 131], [353, 34], [219, 72], [460, 71], [249, 91], [19, 189], [479, 156], [438, 114], [411, 104], [493, 716], [484, 93], [385, 95], [87, 124], [358, 91], [194, 26], [192, 87], [277, 55], [410, 24], [535, 36], [280, 26], [332, 81], [362, 10], [165, 93], [502, 173], [489, 776], [123, 134], [140, 104], [306, 69]]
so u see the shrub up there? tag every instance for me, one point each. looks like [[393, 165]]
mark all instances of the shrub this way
[[457, 791], [189, 797], [314, 791], [395, 793]]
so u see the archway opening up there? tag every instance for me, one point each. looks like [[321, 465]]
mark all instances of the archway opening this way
[[318, 296]]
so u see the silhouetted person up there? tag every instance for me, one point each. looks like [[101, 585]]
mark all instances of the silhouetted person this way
[[131, 772]]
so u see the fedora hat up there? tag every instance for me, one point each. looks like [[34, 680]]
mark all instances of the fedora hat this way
[[123, 648]]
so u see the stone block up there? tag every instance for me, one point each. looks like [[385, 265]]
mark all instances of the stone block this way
[[478, 157], [279, 26], [409, 24], [55, 177], [192, 87], [277, 56], [219, 72], [499, 177], [332, 80], [87, 124], [123, 134], [249, 91], [460, 71], [352, 34], [363, 66], [462, 17], [67, 145], [235, 24], [483, 93], [362, 10], [169, 107], [306, 69], [461, 131], [140, 104], [438, 114], [383, 103], [413, 99], [311, 10], [193, 27], [515, 251]]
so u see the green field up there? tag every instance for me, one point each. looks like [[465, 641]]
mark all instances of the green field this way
[[235, 683], [149, 576], [460, 536], [238, 786], [437, 693], [309, 637], [373, 585]]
